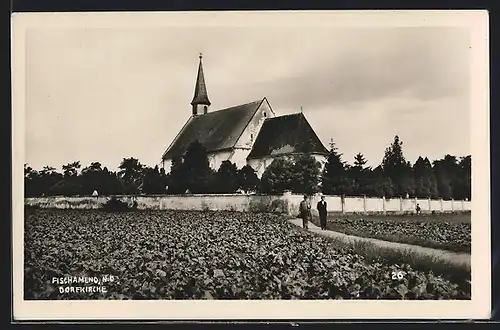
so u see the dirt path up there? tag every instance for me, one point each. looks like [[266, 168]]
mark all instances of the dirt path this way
[[449, 256]]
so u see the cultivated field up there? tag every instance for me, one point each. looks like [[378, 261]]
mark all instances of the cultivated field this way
[[208, 255], [441, 231]]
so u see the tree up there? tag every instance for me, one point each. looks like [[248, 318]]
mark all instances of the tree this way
[[359, 175], [465, 178], [425, 180], [131, 171], [71, 169], [31, 182], [176, 179], [198, 175], [306, 175], [278, 176], [111, 184], [226, 178], [65, 187], [48, 177], [359, 161], [334, 180], [447, 170], [70, 183], [248, 179], [92, 178], [154, 181], [398, 169], [378, 184]]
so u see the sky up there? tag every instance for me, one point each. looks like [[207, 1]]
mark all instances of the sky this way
[[103, 94]]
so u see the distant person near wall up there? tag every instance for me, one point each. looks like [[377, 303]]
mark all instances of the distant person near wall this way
[[322, 206], [305, 212], [418, 209]]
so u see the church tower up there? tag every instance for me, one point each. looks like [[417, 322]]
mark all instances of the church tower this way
[[200, 101]]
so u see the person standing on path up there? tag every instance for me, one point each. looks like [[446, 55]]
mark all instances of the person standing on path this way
[[305, 212], [322, 212]]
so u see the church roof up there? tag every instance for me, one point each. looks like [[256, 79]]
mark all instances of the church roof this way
[[217, 130], [200, 89], [288, 134]]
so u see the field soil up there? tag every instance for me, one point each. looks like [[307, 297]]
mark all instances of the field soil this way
[[206, 255], [456, 258], [451, 232]]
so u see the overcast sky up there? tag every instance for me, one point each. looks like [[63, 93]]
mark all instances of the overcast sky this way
[[105, 94]]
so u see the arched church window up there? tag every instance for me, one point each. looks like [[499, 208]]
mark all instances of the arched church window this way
[[205, 109], [265, 114], [251, 137]]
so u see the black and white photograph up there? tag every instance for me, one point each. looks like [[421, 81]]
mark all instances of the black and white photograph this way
[[251, 164]]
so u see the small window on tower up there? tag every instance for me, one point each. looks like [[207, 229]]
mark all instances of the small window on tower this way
[[205, 108], [265, 114]]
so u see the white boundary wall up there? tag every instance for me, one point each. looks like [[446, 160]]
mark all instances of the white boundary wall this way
[[286, 203]]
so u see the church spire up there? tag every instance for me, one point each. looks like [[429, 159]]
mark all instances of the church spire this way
[[200, 99]]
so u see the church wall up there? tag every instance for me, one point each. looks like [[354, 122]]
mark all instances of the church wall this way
[[167, 164], [259, 165], [216, 159], [239, 157], [250, 133]]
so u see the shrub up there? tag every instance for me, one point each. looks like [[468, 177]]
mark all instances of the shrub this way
[[116, 205]]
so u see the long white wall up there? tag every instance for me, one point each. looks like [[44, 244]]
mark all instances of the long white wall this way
[[380, 205], [287, 203]]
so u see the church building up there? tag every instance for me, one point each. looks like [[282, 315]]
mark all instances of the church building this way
[[247, 134]]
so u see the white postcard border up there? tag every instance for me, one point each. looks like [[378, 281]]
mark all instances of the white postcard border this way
[[478, 307]]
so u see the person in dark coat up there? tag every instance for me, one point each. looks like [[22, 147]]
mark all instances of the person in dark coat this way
[[305, 212], [322, 206]]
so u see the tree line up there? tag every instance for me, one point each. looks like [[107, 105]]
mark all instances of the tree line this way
[[447, 178]]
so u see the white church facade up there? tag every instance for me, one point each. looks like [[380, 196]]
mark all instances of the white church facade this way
[[246, 134]]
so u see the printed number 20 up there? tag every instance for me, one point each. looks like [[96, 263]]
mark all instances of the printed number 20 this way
[[397, 275]]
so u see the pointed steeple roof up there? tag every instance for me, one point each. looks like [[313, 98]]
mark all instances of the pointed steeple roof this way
[[200, 91]]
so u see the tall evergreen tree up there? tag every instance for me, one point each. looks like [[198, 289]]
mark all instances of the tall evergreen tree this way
[[334, 180], [226, 178], [176, 179], [398, 169], [359, 161], [196, 168], [359, 175]]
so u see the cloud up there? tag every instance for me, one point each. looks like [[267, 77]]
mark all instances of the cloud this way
[[105, 94]]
